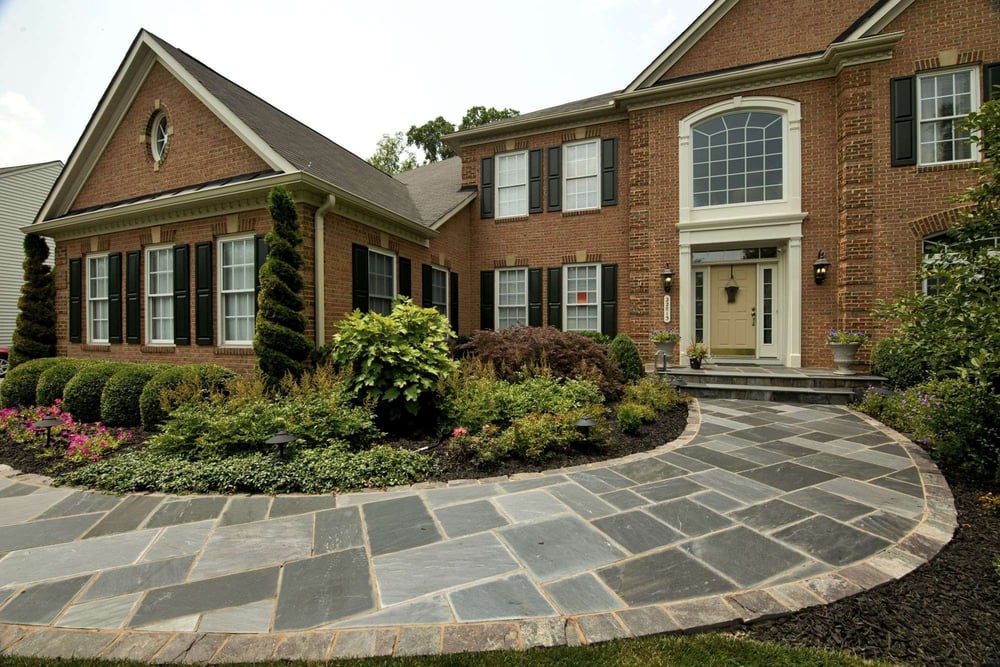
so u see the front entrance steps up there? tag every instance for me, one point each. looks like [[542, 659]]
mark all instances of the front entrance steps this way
[[769, 382]]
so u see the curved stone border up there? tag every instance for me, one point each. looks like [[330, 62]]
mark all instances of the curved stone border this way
[[930, 535]]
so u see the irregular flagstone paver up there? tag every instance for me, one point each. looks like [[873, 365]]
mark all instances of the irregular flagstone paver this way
[[768, 508]]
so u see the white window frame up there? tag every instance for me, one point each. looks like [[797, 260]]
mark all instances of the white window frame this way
[[394, 281], [729, 191], [437, 305], [498, 187], [149, 296], [567, 305], [596, 176], [91, 300], [159, 152], [496, 300], [975, 102], [220, 294]]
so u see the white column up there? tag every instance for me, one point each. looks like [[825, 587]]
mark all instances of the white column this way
[[686, 275], [793, 303]]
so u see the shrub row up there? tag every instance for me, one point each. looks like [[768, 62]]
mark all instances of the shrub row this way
[[642, 402]]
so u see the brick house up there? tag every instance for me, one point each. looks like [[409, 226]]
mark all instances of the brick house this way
[[732, 162]]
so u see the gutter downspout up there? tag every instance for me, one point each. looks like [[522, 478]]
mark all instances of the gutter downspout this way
[[319, 266]]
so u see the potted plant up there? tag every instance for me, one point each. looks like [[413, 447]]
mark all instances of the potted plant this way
[[844, 345], [664, 340], [696, 352]]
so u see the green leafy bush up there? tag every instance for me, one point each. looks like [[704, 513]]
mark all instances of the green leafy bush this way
[[624, 353], [120, 399], [52, 382], [532, 437], [654, 393], [176, 385], [516, 353], [82, 396], [396, 359], [596, 336], [631, 416], [18, 388], [899, 361]]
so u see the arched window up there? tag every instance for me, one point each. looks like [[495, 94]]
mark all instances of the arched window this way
[[159, 137], [738, 158]]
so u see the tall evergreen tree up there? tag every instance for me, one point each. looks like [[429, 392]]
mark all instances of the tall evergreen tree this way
[[280, 342], [35, 330]]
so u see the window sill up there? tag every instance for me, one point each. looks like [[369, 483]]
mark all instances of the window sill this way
[[948, 166], [158, 348], [582, 211], [96, 347], [515, 218], [233, 351]]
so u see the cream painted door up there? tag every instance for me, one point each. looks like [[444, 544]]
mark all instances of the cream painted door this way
[[733, 325]]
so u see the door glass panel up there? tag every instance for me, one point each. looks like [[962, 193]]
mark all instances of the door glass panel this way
[[767, 330], [699, 306]]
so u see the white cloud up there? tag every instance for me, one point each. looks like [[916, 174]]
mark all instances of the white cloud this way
[[22, 131]]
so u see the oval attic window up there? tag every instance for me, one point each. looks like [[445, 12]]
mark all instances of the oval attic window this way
[[160, 137]]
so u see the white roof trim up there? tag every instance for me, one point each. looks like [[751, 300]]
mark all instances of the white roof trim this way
[[877, 22], [680, 46]]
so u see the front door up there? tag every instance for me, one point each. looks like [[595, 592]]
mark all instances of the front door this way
[[734, 310]]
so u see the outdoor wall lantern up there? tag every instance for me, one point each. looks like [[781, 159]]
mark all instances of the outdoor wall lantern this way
[[820, 267], [668, 279], [731, 287], [281, 438], [47, 424]]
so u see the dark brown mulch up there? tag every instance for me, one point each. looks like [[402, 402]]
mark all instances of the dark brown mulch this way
[[945, 613]]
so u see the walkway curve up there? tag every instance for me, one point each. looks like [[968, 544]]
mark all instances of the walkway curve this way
[[758, 510]]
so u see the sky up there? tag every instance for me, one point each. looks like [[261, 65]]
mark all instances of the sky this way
[[350, 70]]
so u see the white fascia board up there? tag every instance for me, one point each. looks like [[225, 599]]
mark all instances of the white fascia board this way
[[877, 22]]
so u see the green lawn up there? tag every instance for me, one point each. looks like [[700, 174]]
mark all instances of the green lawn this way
[[706, 650]]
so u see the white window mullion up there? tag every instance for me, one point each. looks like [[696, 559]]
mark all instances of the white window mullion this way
[[237, 280], [512, 185], [581, 176], [160, 296], [97, 300], [511, 298], [582, 298], [381, 281]]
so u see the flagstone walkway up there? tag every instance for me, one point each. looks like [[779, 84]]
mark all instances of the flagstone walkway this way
[[759, 509]]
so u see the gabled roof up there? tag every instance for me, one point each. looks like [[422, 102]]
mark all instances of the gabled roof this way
[[434, 192], [285, 144]]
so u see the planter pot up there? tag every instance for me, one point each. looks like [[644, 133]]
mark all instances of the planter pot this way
[[664, 353], [843, 356], [695, 363]]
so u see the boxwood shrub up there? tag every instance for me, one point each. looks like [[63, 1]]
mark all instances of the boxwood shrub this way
[[82, 397], [120, 399], [18, 388], [900, 362], [161, 394], [625, 355], [52, 382]]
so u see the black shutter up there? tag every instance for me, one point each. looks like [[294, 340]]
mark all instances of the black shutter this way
[[203, 315], [534, 297], [259, 257], [554, 172], [486, 300], [609, 172], [132, 297], [991, 79], [555, 297], [535, 181], [453, 301], [426, 286], [405, 279], [182, 296], [609, 299], [75, 303], [115, 298], [359, 278], [904, 122], [486, 188]]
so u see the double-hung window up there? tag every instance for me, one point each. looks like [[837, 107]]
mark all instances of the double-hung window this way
[[97, 299], [943, 101], [512, 185], [583, 298], [237, 282], [160, 295], [512, 298], [582, 176], [381, 281], [439, 290]]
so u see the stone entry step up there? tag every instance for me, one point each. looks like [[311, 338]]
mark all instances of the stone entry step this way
[[771, 383]]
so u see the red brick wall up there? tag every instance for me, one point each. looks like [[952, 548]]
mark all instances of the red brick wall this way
[[201, 147], [756, 31]]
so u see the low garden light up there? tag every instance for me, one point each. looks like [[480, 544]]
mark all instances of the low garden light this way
[[47, 424], [584, 425], [281, 438], [820, 267], [668, 279]]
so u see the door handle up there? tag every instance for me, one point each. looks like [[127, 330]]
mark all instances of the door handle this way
[[753, 316]]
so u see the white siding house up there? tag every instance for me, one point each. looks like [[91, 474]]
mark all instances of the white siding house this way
[[22, 192]]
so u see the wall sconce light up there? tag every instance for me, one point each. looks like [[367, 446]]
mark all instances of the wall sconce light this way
[[668, 279], [820, 267]]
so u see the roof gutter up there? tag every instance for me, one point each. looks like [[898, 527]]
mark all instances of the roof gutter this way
[[484, 132]]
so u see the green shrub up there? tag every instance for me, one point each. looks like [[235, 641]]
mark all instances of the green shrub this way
[[964, 428], [532, 437], [651, 391], [82, 397], [120, 399], [596, 336], [18, 388], [176, 385], [899, 361], [516, 353], [34, 335], [633, 415], [52, 382], [625, 355], [396, 359]]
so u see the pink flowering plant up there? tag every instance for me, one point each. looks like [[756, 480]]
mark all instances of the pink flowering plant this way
[[76, 441]]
